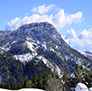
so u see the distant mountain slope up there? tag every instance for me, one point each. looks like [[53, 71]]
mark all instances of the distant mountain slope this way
[[87, 54]]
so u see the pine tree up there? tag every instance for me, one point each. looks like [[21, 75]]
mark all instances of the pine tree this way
[[29, 84], [77, 73], [40, 82], [35, 80], [53, 84], [7, 85], [66, 75], [25, 82]]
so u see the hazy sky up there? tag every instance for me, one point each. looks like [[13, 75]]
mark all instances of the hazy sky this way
[[72, 18]]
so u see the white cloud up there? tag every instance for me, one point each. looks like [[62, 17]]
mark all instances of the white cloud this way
[[36, 18], [86, 34], [75, 17], [17, 22], [71, 34], [90, 32], [59, 20], [83, 43], [13, 24], [42, 9]]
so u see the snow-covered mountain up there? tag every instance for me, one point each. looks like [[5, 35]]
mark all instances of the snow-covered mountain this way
[[41, 42]]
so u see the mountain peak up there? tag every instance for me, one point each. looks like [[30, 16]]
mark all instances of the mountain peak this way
[[36, 24], [43, 31]]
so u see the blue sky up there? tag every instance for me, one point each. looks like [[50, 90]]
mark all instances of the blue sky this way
[[72, 18]]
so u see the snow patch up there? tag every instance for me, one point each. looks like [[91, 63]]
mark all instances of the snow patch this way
[[5, 47], [52, 50], [72, 75], [30, 46], [24, 57], [81, 87], [78, 61], [44, 45], [13, 42], [38, 42], [66, 57], [56, 47]]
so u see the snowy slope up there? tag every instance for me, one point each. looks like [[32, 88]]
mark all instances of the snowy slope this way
[[81, 87], [26, 89]]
